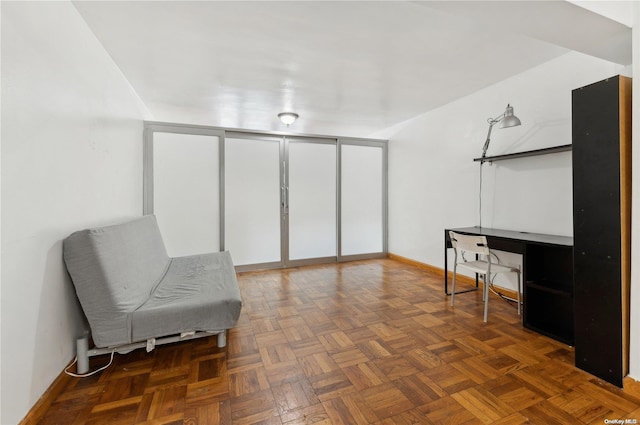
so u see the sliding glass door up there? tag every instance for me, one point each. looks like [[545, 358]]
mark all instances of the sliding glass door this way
[[280, 200], [363, 199], [185, 194], [311, 200], [270, 200], [252, 200]]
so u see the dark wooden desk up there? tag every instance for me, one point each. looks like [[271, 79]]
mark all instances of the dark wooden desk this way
[[547, 276]]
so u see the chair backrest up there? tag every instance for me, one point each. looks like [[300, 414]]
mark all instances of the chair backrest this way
[[469, 243]]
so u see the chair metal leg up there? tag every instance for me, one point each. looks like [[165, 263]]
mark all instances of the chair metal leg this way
[[484, 288], [519, 292], [453, 282], [486, 296]]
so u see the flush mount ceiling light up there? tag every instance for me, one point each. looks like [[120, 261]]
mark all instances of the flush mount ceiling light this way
[[287, 118]]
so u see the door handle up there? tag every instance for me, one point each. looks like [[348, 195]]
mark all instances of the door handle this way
[[286, 197]]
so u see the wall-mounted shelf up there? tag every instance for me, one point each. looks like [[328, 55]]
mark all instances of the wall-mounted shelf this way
[[535, 152]]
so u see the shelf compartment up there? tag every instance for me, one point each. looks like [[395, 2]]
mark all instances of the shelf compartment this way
[[549, 313]]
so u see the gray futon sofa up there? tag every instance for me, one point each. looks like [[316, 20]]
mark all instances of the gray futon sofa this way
[[134, 295]]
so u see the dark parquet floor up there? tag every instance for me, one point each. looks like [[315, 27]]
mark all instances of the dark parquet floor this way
[[368, 342]]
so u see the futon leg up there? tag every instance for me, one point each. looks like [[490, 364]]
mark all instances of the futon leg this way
[[82, 351], [222, 339]]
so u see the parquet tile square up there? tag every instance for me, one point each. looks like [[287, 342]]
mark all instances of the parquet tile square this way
[[167, 378], [296, 395], [248, 381], [289, 371], [395, 367], [349, 357], [291, 322], [315, 415], [254, 407], [449, 351], [482, 404], [360, 335], [403, 343], [386, 400], [540, 384], [298, 333], [511, 392], [124, 387], [426, 336], [447, 411], [347, 323], [145, 406], [405, 324], [501, 362], [607, 393], [274, 354], [422, 358], [476, 370], [473, 345], [265, 324], [365, 375], [376, 349], [580, 406], [546, 413], [370, 318], [346, 412], [419, 389], [306, 347], [210, 391], [515, 419], [449, 378], [247, 361], [318, 364], [266, 339], [213, 367], [241, 344], [167, 402], [368, 342], [335, 341], [331, 385], [428, 320]]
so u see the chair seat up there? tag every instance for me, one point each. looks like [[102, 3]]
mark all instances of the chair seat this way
[[480, 267]]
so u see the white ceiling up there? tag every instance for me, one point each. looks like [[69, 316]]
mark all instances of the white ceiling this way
[[348, 68]]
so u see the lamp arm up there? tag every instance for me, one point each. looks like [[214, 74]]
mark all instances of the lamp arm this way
[[492, 122]]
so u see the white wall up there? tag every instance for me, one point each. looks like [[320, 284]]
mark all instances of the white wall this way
[[71, 158], [433, 181]]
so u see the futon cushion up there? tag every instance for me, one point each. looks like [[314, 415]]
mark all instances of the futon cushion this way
[[114, 270], [198, 293]]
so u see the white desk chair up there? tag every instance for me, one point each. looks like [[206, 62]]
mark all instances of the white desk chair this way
[[477, 245]]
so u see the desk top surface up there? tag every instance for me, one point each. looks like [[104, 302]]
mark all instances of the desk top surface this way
[[515, 235]]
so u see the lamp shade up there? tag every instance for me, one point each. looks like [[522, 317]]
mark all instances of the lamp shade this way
[[509, 119]]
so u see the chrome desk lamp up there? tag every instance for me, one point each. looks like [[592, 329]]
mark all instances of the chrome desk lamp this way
[[506, 120]]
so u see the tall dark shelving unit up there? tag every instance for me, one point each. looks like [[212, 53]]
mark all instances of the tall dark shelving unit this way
[[601, 127]]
